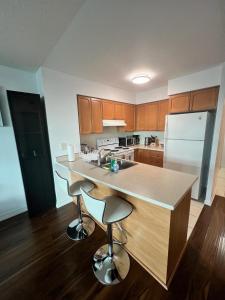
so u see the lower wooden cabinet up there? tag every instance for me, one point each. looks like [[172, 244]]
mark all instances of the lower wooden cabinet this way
[[150, 157]]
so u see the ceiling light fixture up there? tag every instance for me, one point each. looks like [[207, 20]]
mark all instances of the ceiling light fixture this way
[[141, 79]]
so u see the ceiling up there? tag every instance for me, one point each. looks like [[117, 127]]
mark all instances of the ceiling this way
[[110, 41], [30, 28]]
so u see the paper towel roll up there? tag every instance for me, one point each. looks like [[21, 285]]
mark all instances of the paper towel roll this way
[[70, 152]]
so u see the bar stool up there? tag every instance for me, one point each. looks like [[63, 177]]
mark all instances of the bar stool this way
[[111, 262], [83, 226]]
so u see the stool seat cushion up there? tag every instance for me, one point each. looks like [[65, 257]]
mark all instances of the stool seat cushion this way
[[116, 209], [74, 188]]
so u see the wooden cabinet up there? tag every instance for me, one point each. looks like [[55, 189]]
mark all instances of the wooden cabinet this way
[[163, 110], [140, 117], [119, 111], [96, 115], [108, 110], [200, 100], [150, 157], [180, 103], [151, 116], [129, 114], [205, 99], [84, 112]]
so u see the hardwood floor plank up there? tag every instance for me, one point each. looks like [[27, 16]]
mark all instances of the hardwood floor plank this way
[[38, 261]]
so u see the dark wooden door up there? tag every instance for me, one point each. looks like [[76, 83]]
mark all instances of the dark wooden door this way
[[30, 127]]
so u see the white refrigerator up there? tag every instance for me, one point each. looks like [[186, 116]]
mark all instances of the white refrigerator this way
[[187, 147]]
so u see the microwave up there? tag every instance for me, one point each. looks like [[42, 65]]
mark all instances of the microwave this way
[[126, 141]]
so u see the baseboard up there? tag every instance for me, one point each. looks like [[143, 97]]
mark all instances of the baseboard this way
[[62, 203], [12, 213]]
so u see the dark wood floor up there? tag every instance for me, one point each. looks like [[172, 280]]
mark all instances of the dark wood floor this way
[[38, 261]]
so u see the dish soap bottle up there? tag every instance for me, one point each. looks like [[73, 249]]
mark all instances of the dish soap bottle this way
[[115, 166]]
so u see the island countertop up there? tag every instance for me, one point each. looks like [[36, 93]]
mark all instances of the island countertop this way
[[158, 186]]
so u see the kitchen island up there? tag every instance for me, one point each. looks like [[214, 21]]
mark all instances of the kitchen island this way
[[157, 228]]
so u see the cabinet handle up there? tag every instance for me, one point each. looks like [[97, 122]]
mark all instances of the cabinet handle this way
[[34, 153]]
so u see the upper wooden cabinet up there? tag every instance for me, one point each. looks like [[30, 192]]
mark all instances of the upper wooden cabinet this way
[[108, 110], [90, 115], [140, 117], [200, 100], [119, 113], [129, 116], [96, 115], [180, 103], [151, 116], [205, 99], [84, 112], [163, 110]]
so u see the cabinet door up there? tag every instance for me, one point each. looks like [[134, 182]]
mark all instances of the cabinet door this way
[[180, 103], [129, 110], [151, 116], [108, 110], [205, 99], [136, 153], [140, 117], [84, 112], [96, 113], [119, 111], [163, 110]]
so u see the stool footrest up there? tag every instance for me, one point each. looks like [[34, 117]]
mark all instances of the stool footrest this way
[[78, 230]]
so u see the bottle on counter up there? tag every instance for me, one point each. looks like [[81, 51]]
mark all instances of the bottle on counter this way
[[112, 163], [115, 166]]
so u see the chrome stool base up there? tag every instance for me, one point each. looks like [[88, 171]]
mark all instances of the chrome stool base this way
[[111, 270], [78, 230]]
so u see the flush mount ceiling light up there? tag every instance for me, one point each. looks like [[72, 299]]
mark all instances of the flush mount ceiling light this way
[[141, 79]]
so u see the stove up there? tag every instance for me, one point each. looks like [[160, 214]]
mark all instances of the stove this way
[[112, 144]]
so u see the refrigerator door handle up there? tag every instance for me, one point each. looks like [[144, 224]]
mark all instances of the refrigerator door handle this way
[[166, 128]]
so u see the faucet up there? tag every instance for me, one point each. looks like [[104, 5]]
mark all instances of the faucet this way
[[100, 157]]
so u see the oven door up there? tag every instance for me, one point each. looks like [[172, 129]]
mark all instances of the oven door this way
[[129, 155]]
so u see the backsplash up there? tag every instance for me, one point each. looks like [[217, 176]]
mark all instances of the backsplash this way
[[143, 134], [90, 139]]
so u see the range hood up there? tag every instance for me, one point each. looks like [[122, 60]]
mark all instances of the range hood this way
[[113, 123]]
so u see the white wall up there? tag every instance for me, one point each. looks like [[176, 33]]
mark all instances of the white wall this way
[[12, 196], [17, 80], [195, 81], [152, 95], [60, 91]]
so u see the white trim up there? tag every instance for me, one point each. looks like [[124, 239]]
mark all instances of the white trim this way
[[12, 213]]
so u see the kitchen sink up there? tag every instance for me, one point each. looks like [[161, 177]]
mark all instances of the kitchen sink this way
[[123, 164]]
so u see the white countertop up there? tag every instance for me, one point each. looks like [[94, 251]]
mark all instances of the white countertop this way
[[159, 186], [155, 148]]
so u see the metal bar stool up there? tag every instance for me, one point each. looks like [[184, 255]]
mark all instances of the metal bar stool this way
[[111, 262], [83, 226]]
